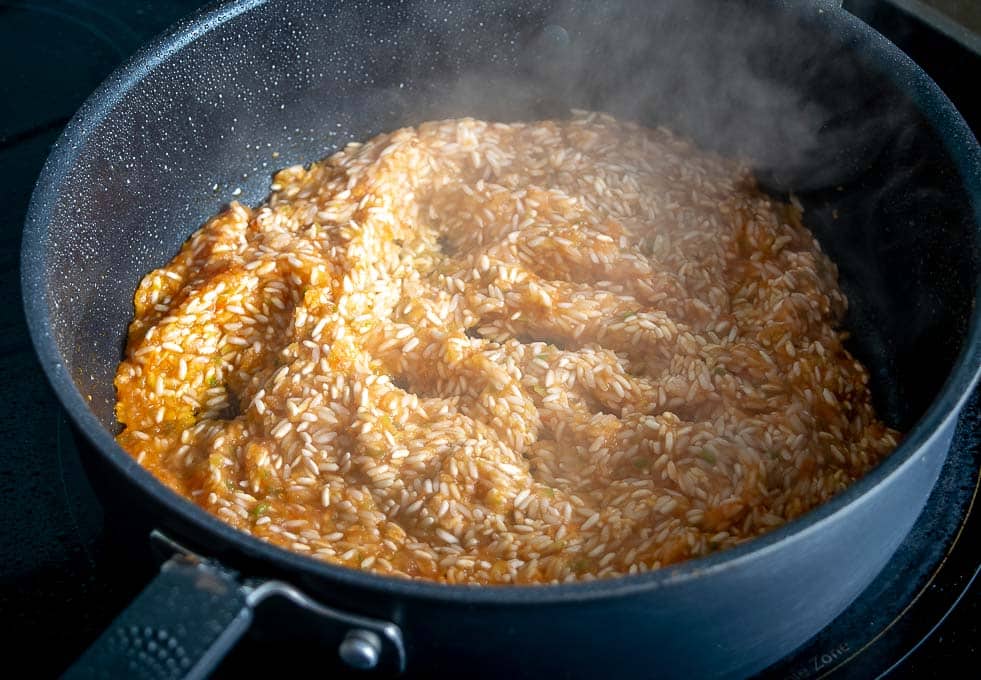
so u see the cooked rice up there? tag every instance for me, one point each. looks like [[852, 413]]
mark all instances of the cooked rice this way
[[485, 353]]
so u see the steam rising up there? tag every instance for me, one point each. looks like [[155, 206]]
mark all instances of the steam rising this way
[[778, 89], [708, 70]]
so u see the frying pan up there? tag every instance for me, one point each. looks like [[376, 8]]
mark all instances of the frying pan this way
[[821, 105]]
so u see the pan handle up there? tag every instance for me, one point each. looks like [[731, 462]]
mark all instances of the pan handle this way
[[191, 615], [181, 626]]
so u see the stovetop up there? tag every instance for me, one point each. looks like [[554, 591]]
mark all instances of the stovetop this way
[[65, 574]]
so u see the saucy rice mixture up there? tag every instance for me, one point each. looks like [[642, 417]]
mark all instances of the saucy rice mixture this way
[[485, 353]]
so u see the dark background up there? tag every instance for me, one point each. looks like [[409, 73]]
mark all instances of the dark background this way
[[62, 574]]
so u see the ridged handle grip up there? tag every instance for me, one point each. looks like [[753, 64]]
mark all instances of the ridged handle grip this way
[[181, 626]]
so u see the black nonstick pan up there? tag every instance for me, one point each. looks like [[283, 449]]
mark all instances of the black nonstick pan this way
[[820, 104]]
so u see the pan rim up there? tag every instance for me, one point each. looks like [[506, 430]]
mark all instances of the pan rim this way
[[913, 81]]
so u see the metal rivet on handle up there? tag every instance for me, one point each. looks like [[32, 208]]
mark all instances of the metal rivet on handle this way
[[360, 649]]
